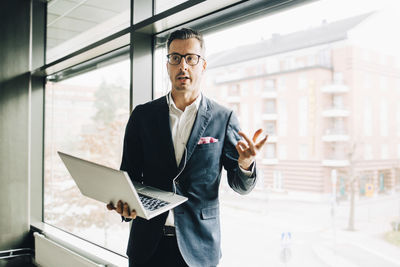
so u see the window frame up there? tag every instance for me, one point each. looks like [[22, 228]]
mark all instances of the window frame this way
[[146, 32]]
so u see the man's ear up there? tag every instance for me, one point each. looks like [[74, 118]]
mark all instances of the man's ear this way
[[204, 65]]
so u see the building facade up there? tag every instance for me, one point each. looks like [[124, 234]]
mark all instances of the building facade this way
[[331, 108]]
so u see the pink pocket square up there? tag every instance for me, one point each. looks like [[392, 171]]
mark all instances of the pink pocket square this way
[[207, 140]]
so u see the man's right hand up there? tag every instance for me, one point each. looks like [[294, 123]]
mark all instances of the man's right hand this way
[[122, 209]]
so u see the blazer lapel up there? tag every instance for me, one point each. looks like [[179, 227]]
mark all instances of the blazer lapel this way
[[200, 124], [165, 136]]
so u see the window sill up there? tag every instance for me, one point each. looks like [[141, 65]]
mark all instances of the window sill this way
[[80, 246]]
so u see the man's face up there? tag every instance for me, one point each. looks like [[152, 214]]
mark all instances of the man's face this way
[[183, 76]]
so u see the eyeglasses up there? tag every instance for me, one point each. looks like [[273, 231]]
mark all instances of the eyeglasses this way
[[191, 59]]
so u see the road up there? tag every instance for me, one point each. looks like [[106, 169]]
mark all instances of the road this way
[[252, 232]]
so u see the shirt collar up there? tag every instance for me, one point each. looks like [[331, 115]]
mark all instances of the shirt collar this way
[[195, 105]]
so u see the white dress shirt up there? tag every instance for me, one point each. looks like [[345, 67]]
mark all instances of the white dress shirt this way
[[181, 124]]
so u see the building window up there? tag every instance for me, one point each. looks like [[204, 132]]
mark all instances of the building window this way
[[269, 85], [270, 151], [367, 81], [398, 151], [270, 128], [368, 117], [269, 106], [303, 116], [282, 151], [303, 152], [234, 90], [281, 83], [338, 102], [368, 155], [272, 65], [338, 78], [385, 151], [383, 83], [384, 118], [303, 82], [282, 118]]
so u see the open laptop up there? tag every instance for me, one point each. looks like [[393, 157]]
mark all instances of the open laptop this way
[[110, 185]]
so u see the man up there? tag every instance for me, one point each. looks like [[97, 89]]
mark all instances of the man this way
[[181, 142]]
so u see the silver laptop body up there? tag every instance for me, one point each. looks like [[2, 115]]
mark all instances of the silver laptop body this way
[[110, 185]]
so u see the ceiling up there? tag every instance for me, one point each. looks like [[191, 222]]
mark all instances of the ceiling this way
[[69, 18]]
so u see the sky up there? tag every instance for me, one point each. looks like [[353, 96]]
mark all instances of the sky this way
[[296, 19]]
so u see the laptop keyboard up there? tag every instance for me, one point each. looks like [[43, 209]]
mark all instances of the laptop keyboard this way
[[151, 203]]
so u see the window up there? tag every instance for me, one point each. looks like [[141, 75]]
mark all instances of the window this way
[[305, 131], [282, 151], [368, 154], [338, 102], [86, 117], [281, 83], [162, 5], [269, 85], [338, 78], [383, 118], [303, 116], [398, 119], [383, 83], [282, 118], [303, 82], [384, 151], [398, 151], [270, 151], [270, 128], [367, 118], [272, 65], [72, 25], [269, 106], [367, 81], [234, 90], [303, 151]]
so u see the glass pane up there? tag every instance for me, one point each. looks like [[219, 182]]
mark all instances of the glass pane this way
[[85, 116], [324, 78], [74, 24], [162, 5]]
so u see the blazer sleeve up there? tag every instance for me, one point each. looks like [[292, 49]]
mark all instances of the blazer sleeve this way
[[132, 155], [237, 180]]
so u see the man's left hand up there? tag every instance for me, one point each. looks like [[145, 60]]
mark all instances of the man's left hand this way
[[248, 150]]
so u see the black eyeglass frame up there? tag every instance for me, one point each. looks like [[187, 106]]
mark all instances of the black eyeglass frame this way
[[184, 56]]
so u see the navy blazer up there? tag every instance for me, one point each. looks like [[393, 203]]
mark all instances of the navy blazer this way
[[149, 157]]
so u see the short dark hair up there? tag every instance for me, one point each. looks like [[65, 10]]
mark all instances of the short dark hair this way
[[184, 34]]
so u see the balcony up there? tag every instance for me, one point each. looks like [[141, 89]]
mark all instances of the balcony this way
[[335, 88], [269, 92], [271, 161], [233, 99], [335, 135], [270, 116], [336, 111], [335, 163]]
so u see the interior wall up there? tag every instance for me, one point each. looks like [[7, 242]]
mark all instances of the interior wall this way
[[14, 122]]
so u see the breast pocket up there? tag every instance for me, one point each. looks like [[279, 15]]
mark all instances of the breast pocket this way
[[210, 146], [209, 213]]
